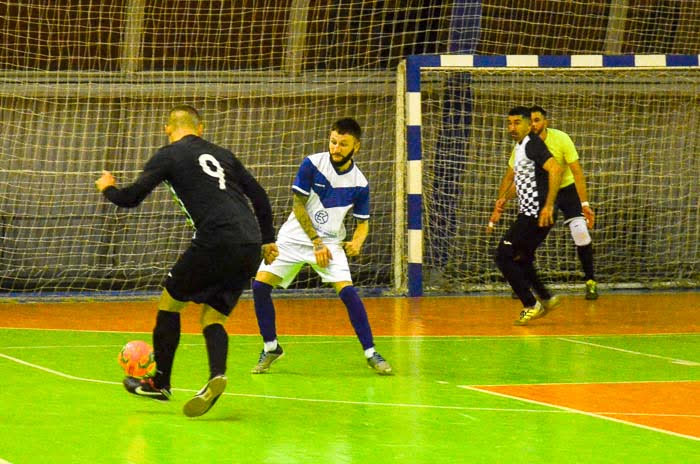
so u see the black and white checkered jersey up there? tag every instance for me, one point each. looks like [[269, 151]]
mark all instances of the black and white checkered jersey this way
[[531, 180]]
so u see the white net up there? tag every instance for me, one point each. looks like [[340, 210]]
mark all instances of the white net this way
[[632, 129], [84, 85]]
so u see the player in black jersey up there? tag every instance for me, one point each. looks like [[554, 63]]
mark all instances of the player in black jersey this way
[[537, 176], [211, 186]]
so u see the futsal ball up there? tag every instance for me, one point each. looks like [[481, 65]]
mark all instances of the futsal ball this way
[[137, 359]]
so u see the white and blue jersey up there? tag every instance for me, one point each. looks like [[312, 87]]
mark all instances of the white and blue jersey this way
[[331, 195]]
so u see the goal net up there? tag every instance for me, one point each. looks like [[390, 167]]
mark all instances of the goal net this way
[[96, 95], [85, 85], [634, 129]]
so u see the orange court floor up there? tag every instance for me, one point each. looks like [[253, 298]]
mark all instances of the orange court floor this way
[[615, 313]]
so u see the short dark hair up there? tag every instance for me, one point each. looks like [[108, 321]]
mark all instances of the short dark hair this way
[[347, 126], [191, 117], [523, 111], [538, 109]]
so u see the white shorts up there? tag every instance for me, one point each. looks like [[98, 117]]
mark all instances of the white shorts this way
[[293, 256]]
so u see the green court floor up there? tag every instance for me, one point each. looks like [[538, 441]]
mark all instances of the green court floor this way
[[61, 401]]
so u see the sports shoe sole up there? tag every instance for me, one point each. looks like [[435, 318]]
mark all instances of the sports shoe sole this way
[[381, 371], [202, 402]]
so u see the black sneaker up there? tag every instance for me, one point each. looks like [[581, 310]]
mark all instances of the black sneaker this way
[[146, 388], [206, 397], [266, 359]]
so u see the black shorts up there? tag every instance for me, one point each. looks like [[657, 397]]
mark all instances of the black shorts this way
[[214, 274], [568, 202], [522, 238]]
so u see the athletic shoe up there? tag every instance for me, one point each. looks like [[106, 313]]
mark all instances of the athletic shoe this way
[[550, 304], [206, 397], [266, 359], [528, 314], [591, 290], [146, 388], [379, 364]]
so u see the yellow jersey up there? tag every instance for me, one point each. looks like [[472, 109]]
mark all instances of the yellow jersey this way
[[563, 150]]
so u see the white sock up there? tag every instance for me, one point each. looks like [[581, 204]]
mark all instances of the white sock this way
[[369, 352], [270, 346]]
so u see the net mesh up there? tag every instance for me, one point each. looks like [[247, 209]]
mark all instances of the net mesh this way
[[631, 130], [84, 85]]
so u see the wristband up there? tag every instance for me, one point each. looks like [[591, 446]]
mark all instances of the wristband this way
[[584, 204]]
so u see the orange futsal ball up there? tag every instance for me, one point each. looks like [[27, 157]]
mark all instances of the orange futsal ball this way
[[137, 359]]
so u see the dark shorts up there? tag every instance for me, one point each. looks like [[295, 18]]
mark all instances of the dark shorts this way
[[568, 202], [522, 239], [213, 274]]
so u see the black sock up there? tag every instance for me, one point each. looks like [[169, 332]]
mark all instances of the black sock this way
[[166, 337], [217, 349], [585, 254], [514, 274], [534, 279]]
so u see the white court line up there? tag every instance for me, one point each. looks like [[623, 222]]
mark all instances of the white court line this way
[[51, 347], [578, 411], [2, 461], [111, 345], [615, 382], [351, 339], [561, 410], [592, 382], [248, 395], [58, 373], [431, 338], [637, 353]]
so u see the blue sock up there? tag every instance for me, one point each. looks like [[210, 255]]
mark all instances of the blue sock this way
[[264, 310], [358, 316]]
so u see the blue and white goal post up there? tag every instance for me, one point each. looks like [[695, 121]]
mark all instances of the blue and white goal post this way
[[408, 265]]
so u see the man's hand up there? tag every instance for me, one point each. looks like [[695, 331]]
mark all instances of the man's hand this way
[[322, 253], [496, 214], [546, 218], [270, 252], [590, 216], [106, 180], [352, 248]]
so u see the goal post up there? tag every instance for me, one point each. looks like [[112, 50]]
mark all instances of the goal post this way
[[633, 120]]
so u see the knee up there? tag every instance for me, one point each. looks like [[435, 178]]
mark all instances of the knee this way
[[503, 254], [346, 291], [579, 231], [339, 287], [261, 288], [170, 304], [211, 316]]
